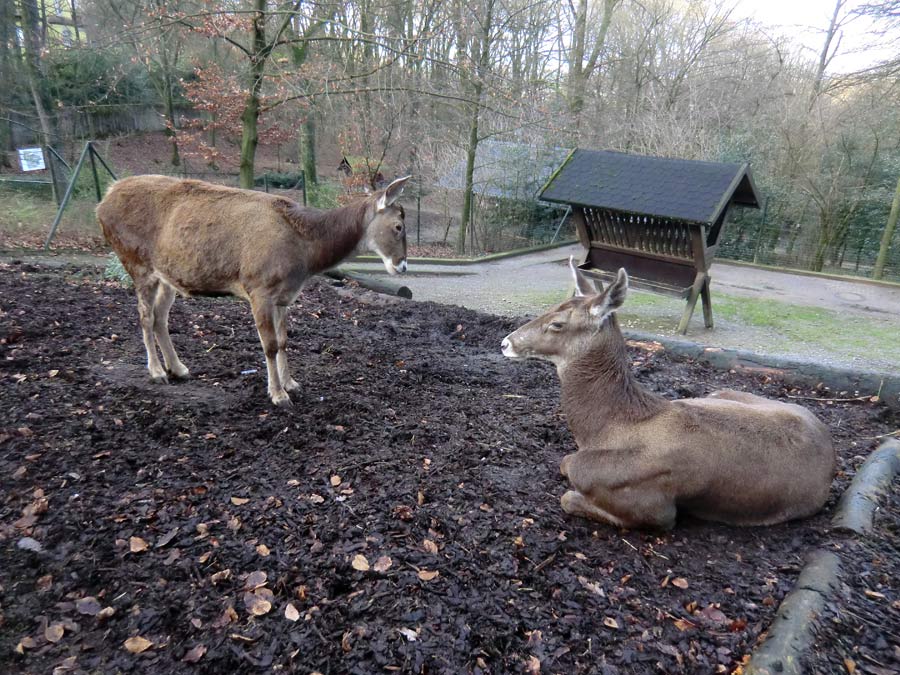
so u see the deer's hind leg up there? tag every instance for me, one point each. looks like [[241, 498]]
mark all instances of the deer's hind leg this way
[[165, 296], [264, 313], [146, 286], [284, 371]]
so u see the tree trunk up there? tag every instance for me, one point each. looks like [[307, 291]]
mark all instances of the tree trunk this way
[[250, 116], [32, 45], [470, 173], [484, 61], [170, 121], [308, 148], [887, 235], [579, 71]]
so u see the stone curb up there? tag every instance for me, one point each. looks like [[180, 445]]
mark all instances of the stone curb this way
[[791, 633], [884, 385], [856, 510]]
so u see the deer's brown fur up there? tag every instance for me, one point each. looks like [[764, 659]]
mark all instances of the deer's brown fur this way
[[733, 457], [196, 238]]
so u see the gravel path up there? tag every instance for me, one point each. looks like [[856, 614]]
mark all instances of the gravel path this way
[[526, 285]]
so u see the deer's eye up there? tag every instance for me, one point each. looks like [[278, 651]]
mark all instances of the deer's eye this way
[[557, 325]]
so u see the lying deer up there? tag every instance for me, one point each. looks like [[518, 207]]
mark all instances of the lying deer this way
[[197, 238], [732, 457]]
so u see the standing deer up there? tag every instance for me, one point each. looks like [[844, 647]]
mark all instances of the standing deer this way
[[732, 457], [197, 238]]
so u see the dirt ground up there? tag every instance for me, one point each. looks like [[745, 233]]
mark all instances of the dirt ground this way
[[402, 517]]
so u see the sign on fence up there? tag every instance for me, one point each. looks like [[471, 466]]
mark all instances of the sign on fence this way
[[31, 159]]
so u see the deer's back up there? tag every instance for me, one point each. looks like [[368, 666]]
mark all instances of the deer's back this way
[[199, 236], [750, 463]]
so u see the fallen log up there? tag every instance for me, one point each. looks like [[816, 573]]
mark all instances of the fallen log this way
[[370, 282]]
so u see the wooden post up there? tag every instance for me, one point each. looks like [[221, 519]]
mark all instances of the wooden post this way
[[707, 303], [581, 227], [694, 293]]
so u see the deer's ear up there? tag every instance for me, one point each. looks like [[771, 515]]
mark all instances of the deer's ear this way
[[583, 285], [391, 193], [607, 303]]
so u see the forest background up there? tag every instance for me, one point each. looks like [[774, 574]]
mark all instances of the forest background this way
[[445, 89]]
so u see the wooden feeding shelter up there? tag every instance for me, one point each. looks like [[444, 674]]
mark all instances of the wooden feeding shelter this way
[[658, 218]]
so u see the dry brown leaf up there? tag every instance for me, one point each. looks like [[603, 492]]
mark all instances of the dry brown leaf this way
[[221, 575], [54, 632], [383, 564], [137, 545], [428, 575], [683, 625], [533, 665], [25, 643], [875, 595], [44, 583], [850, 665], [195, 654], [291, 613], [239, 501], [255, 580], [360, 563], [105, 613], [714, 614], [519, 542], [256, 604], [88, 605], [68, 664], [345, 641], [316, 499], [263, 550], [610, 622], [137, 644], [335, 481], [680, 582], [430, 546]]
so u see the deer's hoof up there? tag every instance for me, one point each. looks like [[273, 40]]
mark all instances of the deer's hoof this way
[[282, 400], [179, 373], [159, 379], [291, 385]]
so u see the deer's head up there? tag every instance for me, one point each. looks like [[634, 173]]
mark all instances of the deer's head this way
[[386, 231], [569, 329]]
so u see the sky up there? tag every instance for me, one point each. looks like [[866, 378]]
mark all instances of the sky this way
[[808, 20]]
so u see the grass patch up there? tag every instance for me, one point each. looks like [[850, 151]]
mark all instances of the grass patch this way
[[770, 326], [25, 220]]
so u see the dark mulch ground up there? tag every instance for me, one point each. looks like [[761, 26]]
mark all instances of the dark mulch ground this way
[[413, 442], [860, 629]]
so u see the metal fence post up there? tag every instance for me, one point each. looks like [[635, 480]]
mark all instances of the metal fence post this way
[[67, 197]]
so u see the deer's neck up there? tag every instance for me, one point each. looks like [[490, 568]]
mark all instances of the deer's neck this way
[[600, 394], [330, 235]]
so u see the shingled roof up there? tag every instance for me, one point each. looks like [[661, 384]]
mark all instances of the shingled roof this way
[[680, 189]]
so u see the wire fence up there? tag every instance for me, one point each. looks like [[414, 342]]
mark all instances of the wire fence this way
[[433, 222]]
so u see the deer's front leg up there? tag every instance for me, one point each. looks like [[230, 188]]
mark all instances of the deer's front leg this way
[[284, 371], [617, 492], [264, 315]]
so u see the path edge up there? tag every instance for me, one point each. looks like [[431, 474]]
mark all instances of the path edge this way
[[792, 371]]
